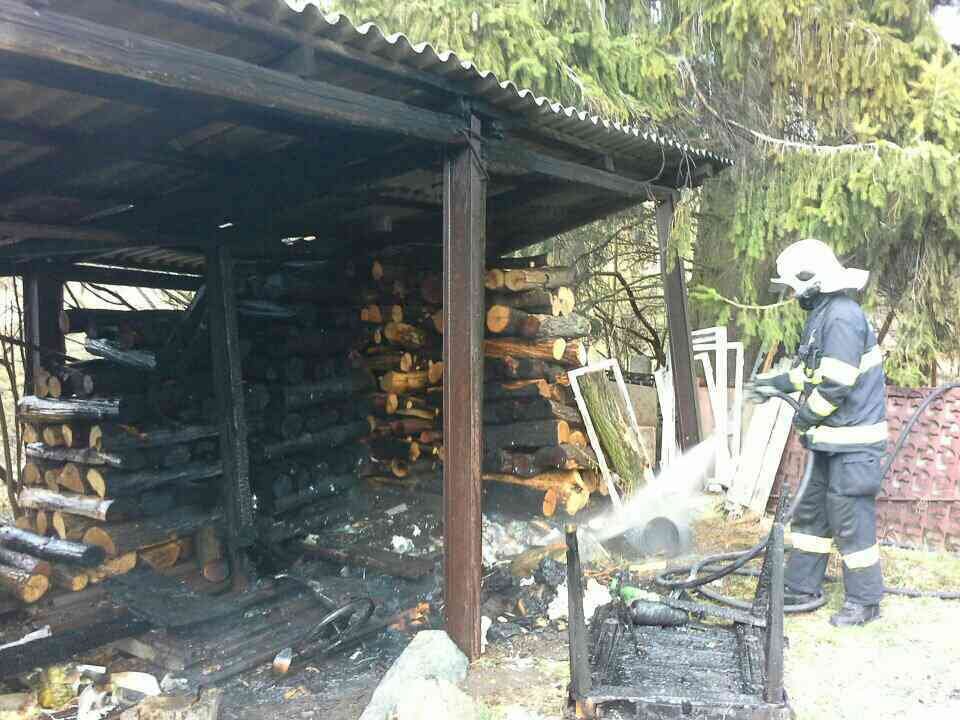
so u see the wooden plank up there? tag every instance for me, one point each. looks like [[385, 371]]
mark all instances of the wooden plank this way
[[758, 436], [63, 645], [12, 233], [464, 207], [81, 55], [678, 322], [772, 454], [225, 348]]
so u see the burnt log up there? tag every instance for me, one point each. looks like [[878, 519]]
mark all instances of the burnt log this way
[[330, 486], [510, 368], [113, 483], [338, 388], [566, 457], [330, 437], [119, 438], [510, 463], [126, 460], [538, 408], [53, 549], [95, 508], [112, 351], [121, 538], [533, 434], [45, 411]]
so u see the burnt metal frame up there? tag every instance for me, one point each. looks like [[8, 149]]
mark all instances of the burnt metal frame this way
[[768, 604], [464, 254]]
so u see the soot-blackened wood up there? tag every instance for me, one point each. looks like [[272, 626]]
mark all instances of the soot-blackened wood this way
[[521, 263], [95, 321], [535, 301], [111, 350], [337, 388], [25, 562], [126, 460], [108, 482], [173, 357], [509, 368], [513, 410], [527, 389], [533, 434], [580, 680], [389, 563], [773, 633], [82, 51], [566, 457], [45, 410], [110, 438], [464, 252], [678, 322], [48, 548], [42, 301], [322, 488], [506, 462], [329, 437], [93, 507], [121, 538], [228, 388], [64, 645]]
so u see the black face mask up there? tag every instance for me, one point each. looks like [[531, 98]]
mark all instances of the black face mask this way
[[808, 301]]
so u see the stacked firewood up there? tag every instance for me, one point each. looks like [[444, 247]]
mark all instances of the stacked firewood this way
[[405, 444], [307, 430], [533, 431], [117, 453]]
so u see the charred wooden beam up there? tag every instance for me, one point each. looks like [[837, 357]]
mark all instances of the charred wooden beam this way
[[228, 388], [81, 55], [678, 323]]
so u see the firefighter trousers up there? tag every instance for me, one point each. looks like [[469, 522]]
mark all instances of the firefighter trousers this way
[[839, 504]]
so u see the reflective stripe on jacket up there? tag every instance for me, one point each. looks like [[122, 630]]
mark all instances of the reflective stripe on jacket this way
[[840, 371]]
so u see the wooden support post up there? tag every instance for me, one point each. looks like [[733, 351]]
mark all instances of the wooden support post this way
[[225, 349], [580, 680], [773, 638], [42, 303], [678, 322], [464, 251]]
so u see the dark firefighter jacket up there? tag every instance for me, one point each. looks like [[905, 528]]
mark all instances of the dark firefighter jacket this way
[[839, 369]]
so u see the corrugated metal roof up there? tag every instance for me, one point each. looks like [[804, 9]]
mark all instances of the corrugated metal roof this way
[[503, 94]]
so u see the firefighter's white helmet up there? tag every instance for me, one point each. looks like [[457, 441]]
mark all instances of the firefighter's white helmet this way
[[810, 265]]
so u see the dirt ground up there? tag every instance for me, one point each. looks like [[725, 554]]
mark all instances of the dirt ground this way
[[905, 666]]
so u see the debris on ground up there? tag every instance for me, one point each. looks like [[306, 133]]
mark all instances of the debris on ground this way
[[594, 596]]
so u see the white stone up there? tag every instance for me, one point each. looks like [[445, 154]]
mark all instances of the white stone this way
[[433, 699], [431, 654]]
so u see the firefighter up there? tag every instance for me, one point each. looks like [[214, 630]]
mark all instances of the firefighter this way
[[842, 421]]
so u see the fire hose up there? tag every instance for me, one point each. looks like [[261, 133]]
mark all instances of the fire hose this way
[[708, 569]]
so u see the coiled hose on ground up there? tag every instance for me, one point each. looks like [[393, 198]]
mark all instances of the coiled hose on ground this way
[[709, 569]]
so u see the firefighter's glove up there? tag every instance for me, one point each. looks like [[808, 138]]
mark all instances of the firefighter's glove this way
[[760, 392], [803, 427]]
